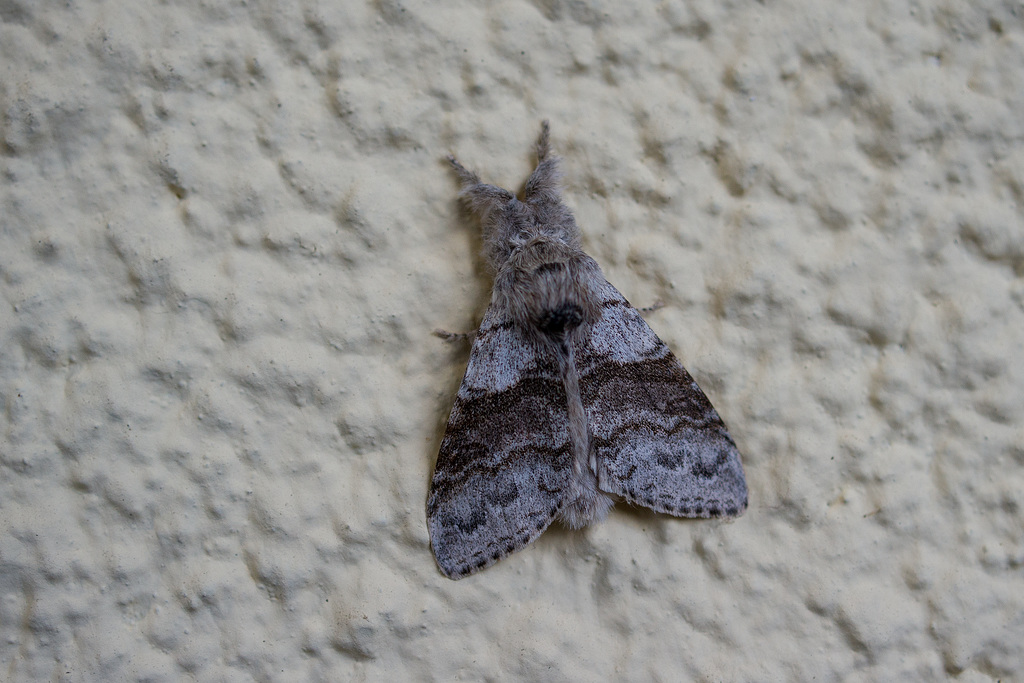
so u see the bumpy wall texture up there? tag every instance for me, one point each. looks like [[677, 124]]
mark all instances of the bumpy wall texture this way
[[227, 231]]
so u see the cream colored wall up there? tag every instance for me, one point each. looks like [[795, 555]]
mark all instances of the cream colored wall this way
[[227, 231]]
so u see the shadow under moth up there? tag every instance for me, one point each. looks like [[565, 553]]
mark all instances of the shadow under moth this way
[[570, 401]]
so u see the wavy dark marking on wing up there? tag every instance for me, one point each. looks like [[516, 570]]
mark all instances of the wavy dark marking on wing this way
[[505, 459], [656, 438], [485, 431]]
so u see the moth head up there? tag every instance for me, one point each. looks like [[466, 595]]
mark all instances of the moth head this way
[[511, 225]]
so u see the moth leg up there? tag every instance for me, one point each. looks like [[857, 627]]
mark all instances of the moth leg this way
[[653, 307], [452, 337]]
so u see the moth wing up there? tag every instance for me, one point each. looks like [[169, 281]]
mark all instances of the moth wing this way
[[656, 438], [506, 454]]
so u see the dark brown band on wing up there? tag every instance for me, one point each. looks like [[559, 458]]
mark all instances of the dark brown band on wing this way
[[660, 383], [485, 426]]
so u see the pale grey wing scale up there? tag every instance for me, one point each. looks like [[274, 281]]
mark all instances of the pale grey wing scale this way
[[656, 439], [506, 453]]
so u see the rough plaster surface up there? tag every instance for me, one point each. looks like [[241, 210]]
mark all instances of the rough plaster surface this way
[[227, 230]]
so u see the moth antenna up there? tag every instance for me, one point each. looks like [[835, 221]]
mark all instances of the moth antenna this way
[[480, 196], [544, 141], [466, 177], [542, 185]]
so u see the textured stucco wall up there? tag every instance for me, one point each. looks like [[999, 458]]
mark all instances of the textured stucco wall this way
[[226, 232]]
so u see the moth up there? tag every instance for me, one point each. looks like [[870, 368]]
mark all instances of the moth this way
[[570, 401]]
